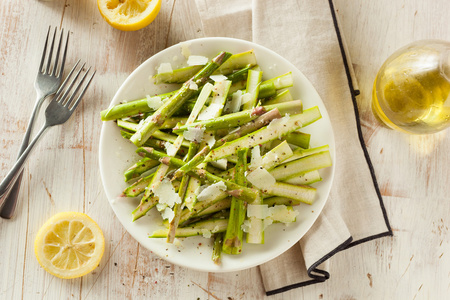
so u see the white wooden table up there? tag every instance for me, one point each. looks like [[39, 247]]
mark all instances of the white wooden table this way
[[63, 173]]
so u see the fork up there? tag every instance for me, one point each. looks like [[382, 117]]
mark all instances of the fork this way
[[47, 82], [58, 112]]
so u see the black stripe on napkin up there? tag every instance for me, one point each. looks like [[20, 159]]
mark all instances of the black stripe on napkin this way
[[316, 274]]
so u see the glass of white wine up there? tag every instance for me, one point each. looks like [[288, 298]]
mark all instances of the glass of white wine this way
[[411, 92]]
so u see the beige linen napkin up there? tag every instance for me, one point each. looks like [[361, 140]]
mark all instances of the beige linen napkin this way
[[306, 33]]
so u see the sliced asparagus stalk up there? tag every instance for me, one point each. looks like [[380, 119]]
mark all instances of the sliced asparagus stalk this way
[[284, 96], [299, 139], [299, 152], [265, 134], [237, 61], [302, 165], [178, 75], [252, 89], [138, 187], [305, 194], [139, 168], [269, 87], [277, 200], [306, 178], [233, 240], [217, 248], [200, 228], [243, 117]]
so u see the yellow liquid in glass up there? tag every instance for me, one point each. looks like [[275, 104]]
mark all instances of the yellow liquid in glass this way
[[411, 92]]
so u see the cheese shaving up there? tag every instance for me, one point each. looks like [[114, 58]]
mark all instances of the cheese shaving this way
[[206, 233], [165, 68], [193, 86], [168, 214], [246, 226], [261, 178], [166, 193], [236, 102], [218, 78], [246, 97], [256, 160], [185, 51], [209, 191], [194, 134], [210, 140], [221, 163], [197, 60], [171, 150], [154, 102]]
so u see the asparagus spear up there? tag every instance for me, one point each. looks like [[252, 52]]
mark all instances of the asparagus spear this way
[[252, 89], [200, 228], [217, 247], [243, 117], [151, 124], [232, 243], [139, 168]]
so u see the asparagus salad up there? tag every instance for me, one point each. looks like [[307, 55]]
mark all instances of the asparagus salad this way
[[224, 155]]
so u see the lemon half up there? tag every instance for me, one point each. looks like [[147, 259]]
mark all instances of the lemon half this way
[[129, 15], [69, 245]]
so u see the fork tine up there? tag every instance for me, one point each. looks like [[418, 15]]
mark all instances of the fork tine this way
[[69, 100], [83, 91], [63, 60], [47, 70], [45, 51], [55, 65], [61, 98]]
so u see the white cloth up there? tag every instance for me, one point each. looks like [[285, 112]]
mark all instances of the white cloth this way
[[304, 32]]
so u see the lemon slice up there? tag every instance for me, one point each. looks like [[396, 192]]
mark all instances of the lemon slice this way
[[129, 15], [69, 245]]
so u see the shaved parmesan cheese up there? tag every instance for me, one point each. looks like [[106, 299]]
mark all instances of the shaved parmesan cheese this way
[[221, 163], [171, 150], [211, 191], [165, 68], [218, 78], [259, 211], [246, 226], [185, 51], [197, 60], [216, 229], [283, 214], [246, 97], [210, 112], [210, 140], [261, 178], [206, 233], [166, 193], [168, 214], [194, 134], [256, 160], [277, 125], [193, 86], [236, 102], [154, 102]]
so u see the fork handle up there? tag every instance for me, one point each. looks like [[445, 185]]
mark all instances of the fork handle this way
[[8, 183], [10, 201]]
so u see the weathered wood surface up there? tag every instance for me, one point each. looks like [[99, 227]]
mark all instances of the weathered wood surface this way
[[63, 173]]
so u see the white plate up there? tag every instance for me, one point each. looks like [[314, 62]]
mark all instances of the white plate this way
[[117, 154]]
